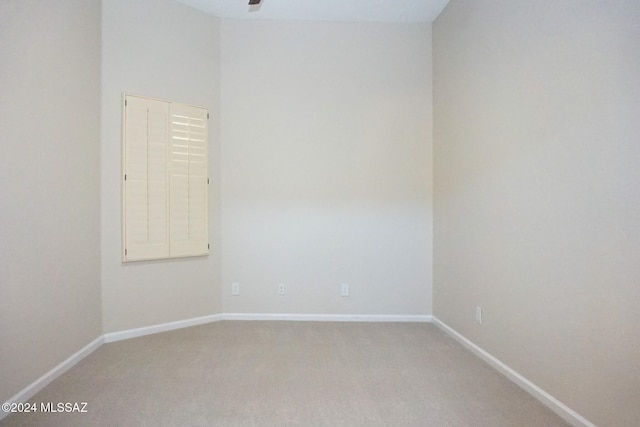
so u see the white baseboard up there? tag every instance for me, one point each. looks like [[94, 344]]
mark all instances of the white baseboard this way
[[28, 392], [548, 400], [161, 327], [164, 327], [327, 317]]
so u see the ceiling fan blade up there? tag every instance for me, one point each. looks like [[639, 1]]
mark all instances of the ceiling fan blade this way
[[254, 2]]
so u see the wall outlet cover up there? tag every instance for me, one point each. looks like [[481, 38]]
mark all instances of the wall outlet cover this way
[[344, 290]]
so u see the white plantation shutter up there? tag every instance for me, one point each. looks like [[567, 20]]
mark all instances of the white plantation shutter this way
[[165, 203], [146, 219], [188, 159]]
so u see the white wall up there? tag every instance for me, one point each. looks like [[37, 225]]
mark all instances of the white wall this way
[[326, 167], [50, 216], [161, 49], [537, 193]]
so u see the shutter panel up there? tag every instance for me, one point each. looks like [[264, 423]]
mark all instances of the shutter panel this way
[[188, 205], [146, 140]]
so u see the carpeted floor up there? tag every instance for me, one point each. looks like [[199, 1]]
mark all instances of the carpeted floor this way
[[240, 373]]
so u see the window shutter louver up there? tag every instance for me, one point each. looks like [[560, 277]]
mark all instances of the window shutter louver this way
[[188, 160]]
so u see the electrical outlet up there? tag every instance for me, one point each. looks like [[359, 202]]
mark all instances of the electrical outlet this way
[[478, 315], [235, 289], [344, 290], [281, 289]]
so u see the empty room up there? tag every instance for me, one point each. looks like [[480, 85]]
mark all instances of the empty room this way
[[320, 213]]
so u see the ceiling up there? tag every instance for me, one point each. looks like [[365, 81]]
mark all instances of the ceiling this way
[[325, 10]]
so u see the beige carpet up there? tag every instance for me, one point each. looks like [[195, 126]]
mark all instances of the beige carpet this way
[[289, 374]]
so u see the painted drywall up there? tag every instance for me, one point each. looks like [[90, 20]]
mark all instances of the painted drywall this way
[[537, 193], [161, 49], [326, 167], [50, 217]]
